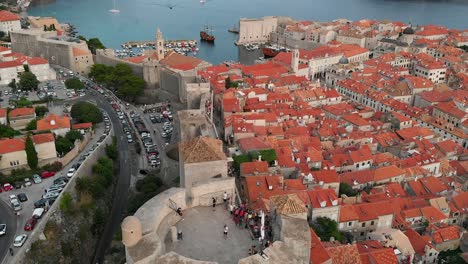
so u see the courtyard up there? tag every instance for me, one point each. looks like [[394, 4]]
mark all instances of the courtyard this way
[[203, 237]]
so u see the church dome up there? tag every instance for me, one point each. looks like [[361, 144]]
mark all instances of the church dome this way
[[408, 31], [343, 60]]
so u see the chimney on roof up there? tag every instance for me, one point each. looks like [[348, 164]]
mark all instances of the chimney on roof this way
[[52, 122], [259, 157]]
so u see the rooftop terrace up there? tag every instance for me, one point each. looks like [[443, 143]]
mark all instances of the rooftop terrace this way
[[203, 236]]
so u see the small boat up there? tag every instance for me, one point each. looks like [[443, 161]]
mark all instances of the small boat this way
[[114, 10], [234, 30], [207, 35]]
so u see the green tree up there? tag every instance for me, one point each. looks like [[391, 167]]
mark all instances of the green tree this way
[[26, 68], [32, 125], [326, 228], [101, 73], [112, 151], [86, 112], [94, 44], [131, 87], [73, 135], [23, 102], [239, 159], [74, 83], [46, 28], [347, 190], [267, 155], [7, 132], [63, 145], [66, 203], [28, 81], [31, 153], [12, 84], [41, 110]]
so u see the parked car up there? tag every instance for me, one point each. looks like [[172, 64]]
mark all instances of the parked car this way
[[30, 224], [27, 182], [16, 205], [47, 174], [7, 187], [54, 188], [2, 229], [71, 172], [51, 195], [41, 203], [22, 197], [18, 184], [59, 184], [19, 240], [36, 178], [37, 213], [61, 179]]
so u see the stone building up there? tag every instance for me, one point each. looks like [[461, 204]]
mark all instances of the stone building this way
[[19, 118], [9, 21], [68, 52], [14, 155], [196, 156], [256, 30]]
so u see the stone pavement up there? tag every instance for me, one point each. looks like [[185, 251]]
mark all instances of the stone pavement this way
[[203, 236]]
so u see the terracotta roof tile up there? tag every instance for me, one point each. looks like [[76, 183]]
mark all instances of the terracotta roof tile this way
[[52, 122], [288, 204], [8, 16], [201, 149], [344, 254], [19, 112], [318, 253]]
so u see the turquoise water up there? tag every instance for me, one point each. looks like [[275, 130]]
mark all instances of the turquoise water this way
[[138, 19]]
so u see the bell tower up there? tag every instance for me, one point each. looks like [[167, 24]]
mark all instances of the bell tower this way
[[295, 60], [159, 45]]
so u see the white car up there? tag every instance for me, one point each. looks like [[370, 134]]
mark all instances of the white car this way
[[19, 240], [27, 182], [2, 229], [71, 172], [37, 213]]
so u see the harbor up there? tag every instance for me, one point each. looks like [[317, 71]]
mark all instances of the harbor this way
[[137, 48]]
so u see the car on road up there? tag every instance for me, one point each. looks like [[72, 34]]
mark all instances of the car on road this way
[[2, 229], [30, 224], [7, 187], [27, 182], [38, 212], [36, 178], [19, 240], [71, 172], [22, 197], [47, 174]]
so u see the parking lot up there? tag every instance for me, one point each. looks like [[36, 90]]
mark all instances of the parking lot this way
[[43, 192], [54, 89]]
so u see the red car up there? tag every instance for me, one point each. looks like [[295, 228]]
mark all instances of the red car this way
[[7, 187], [47, 174], [30, 224]]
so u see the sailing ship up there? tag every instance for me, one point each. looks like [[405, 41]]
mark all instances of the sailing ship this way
[[207, 34], [114, 10]]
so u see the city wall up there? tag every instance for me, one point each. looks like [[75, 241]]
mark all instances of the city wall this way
[[108, 58], [84, 170]]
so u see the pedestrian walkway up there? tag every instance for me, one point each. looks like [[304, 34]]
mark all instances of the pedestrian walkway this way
[[203, 237]]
